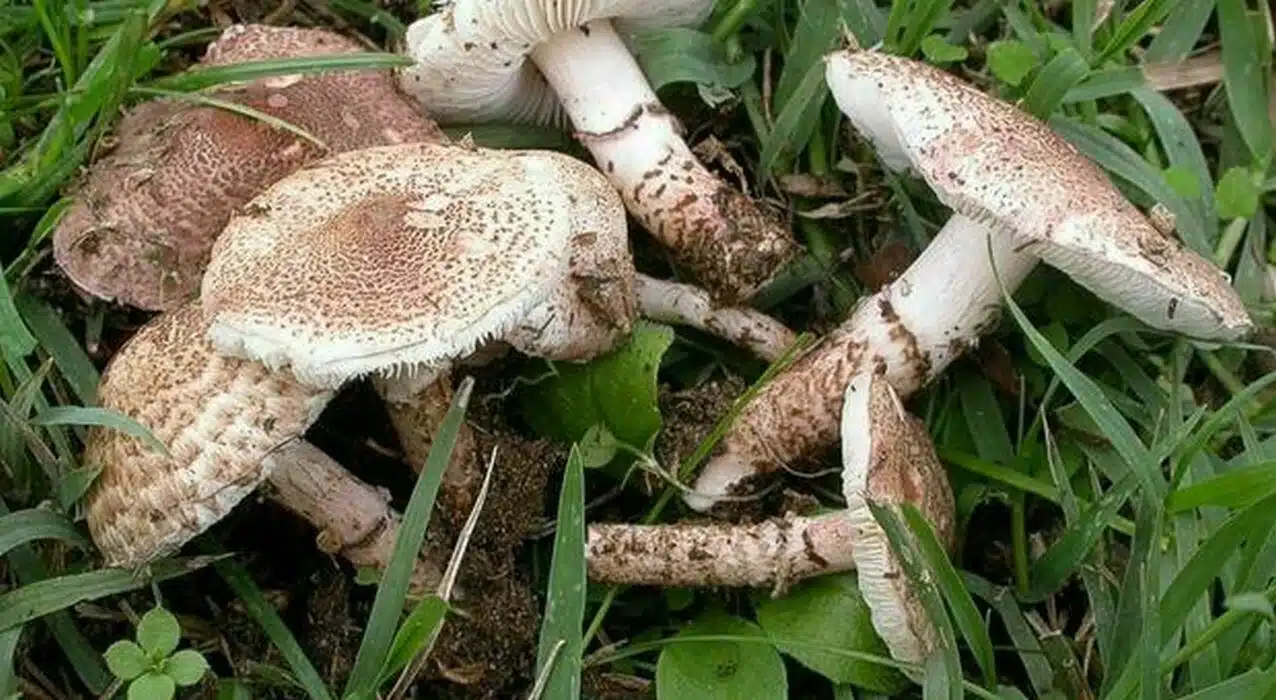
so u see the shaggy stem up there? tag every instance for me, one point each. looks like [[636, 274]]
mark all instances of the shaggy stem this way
[[773, 553], [910, 330], [685, 304], [354, 519], [728, 241]]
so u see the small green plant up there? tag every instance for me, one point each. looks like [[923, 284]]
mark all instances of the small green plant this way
[[152, 666]]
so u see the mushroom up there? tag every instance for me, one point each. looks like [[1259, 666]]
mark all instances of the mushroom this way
[[228, 426], [402, 260], [888, 459], [528, 59], [142, 221], [1021, 193]]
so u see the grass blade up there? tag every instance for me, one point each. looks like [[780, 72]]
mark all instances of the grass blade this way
[[954, 591], [15, 340], [260, 609], [561, 638], [32, 524], [1246, 71], [1064, 72], [1091, 397], [103, 417], [57, 340], [1237, 488], [40, 598], [378, 637], [199, 78]]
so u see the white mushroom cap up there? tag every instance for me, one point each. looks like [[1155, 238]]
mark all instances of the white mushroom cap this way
[[389, 258], [473, 56], [998, 165], [888, 459], [219, 417]]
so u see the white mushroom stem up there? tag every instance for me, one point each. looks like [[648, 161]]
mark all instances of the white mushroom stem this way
[[725, 239], [354, 519], [774, 553], [910, 330], [689, 305]]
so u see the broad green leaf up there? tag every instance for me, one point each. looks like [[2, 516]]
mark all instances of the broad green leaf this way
[[159, 633], [152, 686], [1236, 194], [617, 390], [1183, 181], [186, 667], [1056, 78], [1010, 61], [721, 670], [36, 524], [830, 611], [598, 447], [126, 659], [936, 49], [683, 55], [561, 635]]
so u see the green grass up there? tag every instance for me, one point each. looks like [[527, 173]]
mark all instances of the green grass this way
[[1116, 486]]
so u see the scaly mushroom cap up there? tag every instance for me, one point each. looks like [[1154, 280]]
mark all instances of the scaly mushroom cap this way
[[888, 458], [593, 309], [146, 214], [389, 258], [998, 165], [472, 55], [219, 417]]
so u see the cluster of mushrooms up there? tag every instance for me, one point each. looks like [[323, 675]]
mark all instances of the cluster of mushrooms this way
[[287, 266]]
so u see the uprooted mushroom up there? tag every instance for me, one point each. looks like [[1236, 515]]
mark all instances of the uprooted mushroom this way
[[1019, 193], [532, 60], [887, 458], [227, 426], [145, 216]]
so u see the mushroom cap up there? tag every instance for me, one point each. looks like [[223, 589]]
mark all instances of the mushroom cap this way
[[1000, 166], [219, 417], [888, 458], [472, 56], [144, 217], [593, 309], [389, 258]]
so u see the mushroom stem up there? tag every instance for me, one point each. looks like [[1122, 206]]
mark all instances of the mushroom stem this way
[[688, 305], [774, 553], [910, 330], [728, 241], [354, 519], [416, 406]]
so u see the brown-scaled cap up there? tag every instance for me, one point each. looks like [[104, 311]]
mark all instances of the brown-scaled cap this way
[[389, 259], [219, 417], [145, 215], [888, 459], [996, 164]]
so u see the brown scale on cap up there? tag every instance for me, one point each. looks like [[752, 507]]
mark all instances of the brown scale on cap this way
[[146, 214], [389, 258], [218, 416]]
